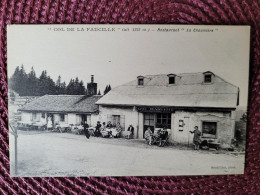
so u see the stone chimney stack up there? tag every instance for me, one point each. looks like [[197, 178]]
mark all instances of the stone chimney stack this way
[[92, 87]]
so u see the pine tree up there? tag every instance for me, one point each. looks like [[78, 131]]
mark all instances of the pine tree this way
[[108, 88], [99, 92], [81, 89], [58, 85], [105, 91], [32, 84], [70, 88]]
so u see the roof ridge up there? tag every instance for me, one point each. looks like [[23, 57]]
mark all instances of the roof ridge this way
[[165, 74]]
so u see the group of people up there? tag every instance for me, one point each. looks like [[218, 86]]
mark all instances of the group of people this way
[[108, 130], [162, 135], [151, 138], [159, 137]]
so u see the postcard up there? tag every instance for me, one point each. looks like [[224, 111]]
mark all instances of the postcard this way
[[127, 100]]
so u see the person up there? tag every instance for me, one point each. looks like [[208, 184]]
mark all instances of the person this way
[[97, 131], [196, 138], [109, 125], [118, 130], [148, 135], [49, 123], [86, 126], [130, 131], [108, 128], [163, 135], [103, 127]]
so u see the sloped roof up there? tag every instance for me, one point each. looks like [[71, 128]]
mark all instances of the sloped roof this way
[[189, 90], [63, 103]]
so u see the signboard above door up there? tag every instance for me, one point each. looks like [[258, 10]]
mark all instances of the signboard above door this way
[[155, 109]]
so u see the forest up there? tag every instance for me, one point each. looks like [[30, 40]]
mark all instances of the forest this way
[[30, 85]]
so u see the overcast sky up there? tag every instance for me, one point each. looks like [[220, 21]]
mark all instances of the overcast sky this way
[[119, 57]]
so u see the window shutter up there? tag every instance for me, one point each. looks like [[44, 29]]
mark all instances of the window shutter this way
[[122, 121]]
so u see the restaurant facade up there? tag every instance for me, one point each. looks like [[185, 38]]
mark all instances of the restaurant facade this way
[[177, 102]]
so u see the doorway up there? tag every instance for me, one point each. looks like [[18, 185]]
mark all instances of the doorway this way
[[149, 121]]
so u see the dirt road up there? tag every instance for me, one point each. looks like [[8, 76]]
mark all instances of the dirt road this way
[[55, 154]]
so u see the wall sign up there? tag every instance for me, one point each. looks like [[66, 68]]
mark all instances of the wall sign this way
[[155, 109]]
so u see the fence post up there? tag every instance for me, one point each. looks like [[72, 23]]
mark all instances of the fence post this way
[[14, 132]]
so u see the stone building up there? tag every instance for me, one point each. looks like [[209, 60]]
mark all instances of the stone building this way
[[62, 109], [175, 101]]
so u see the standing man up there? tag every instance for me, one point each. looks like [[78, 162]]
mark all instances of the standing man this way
[[130, 131], [97, 131], [196, 138], [86, 126]]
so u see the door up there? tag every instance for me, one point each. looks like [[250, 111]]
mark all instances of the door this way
[[86, 117], [50, 121], [186, 130], [149, 122]]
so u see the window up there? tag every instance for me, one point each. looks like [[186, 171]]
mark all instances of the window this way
[[171, 80], [149, 119], [34, 116], [115, 119], [209, 129], [163, 120], [43, 115], [207, 78], [78, 119], [62, 117], [141, 81]]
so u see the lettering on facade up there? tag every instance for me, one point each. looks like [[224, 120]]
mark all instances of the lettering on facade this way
[[155, 109]]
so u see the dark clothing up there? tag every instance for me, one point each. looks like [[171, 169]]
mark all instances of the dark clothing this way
[[109, 125], [196, 138], [163, 135], [131, 129], [98, 126], [86, 126], [97, 131]]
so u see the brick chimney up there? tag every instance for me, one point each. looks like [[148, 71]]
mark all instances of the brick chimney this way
[[92, 87]]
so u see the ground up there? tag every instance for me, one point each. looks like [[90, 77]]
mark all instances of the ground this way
[[45, 153]]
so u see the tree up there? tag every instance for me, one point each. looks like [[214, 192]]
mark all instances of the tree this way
[[29, 85], [63, 88], [107, 89], [32, 83], [19, 81], [70, 88], [81, 88], [99, 92]]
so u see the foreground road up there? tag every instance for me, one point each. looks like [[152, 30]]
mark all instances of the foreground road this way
[[42, 154]]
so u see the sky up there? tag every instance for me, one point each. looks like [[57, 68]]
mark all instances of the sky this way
[[117, 57]]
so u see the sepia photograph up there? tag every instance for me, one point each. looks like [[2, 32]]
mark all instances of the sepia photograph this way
[[127, 100]]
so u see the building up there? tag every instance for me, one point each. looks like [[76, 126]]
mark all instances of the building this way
[[177, 101], [15, 103], [62, 109]]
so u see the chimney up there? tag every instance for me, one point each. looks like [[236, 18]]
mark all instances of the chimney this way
[[92, 87]]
